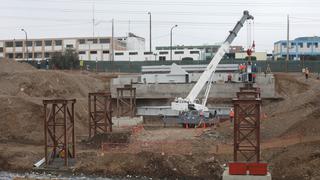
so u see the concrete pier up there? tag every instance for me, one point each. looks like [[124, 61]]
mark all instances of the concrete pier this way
[[227, 176]]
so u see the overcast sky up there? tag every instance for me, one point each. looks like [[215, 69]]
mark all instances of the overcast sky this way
[[199, 21]]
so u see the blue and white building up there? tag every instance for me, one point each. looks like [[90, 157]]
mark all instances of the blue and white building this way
[[302, 46]]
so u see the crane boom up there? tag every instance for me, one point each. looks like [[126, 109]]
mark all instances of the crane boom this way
[[182, 104]]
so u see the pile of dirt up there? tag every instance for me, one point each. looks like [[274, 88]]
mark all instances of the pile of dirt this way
[[296, 162], [110, 137], [22, 89], [8, 66], [298, 112], [152, 165]]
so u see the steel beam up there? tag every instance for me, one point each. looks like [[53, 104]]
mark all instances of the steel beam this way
[[59, 130], [100, 113], [126, 101]]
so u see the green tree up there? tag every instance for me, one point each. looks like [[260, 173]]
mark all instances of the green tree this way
[[68, 59]]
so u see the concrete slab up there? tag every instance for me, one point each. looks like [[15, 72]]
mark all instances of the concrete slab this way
[[227, 176], [126, 121]]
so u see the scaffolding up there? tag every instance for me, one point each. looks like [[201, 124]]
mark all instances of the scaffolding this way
[[126, 101], [247, 107], [100, 113], [59, 130]]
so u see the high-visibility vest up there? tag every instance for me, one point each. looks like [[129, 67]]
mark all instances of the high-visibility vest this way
[[231, 114]]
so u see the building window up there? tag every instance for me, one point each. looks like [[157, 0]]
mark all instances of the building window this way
[[29, 43], [9, 44], [48, 43], [162, 58], [46, 55], [37, 55], [163, 52], [178, 52], [69, 45], [19, 55], [284, 45], [30, 55], [93, 52], [293, 44], [82, 52], [10, 55], [58, 42], [316, 45], [18, 43], [82, 41], [147, 53], [119, 53], [300, 45], [1, 49], [194, 52], [105, 41], [309, 45], [209, 50], [94, 41], [38, 43], [133, 53], [105, 52]]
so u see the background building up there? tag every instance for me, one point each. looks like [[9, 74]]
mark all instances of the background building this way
[[302, 46], [259, 56], [89, 48], [208, 51]]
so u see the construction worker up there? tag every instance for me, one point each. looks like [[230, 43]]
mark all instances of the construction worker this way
[[254, 77], [306, 72], [231, 115], [229, 78]]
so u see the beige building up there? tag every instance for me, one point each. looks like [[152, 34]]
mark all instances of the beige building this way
[[260, 56], [89, 48]]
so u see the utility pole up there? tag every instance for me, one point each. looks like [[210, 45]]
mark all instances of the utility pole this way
[[150, 31], [93, 20], [112, 41], [288, 44], [171, 41], [25, 32]]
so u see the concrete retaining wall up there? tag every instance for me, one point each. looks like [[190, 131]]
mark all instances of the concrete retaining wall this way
[[218, 90]]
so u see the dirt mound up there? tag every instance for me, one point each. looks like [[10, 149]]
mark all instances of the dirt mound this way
[[298, 109], [112, 137], [21, 120], [48, 84], [22, 89], [287, 84], [8, 66], [300, 161], [153, 165]]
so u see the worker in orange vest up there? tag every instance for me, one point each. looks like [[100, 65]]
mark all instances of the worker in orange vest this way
[[231, 114]]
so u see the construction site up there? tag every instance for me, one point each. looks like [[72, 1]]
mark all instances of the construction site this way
[[105, 136], [289, 129], [216, 121]]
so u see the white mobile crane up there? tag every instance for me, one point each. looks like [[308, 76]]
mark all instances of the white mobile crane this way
[[191, 102]]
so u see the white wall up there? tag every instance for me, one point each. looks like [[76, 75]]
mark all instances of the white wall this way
[[134, 43], [162, 78]]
